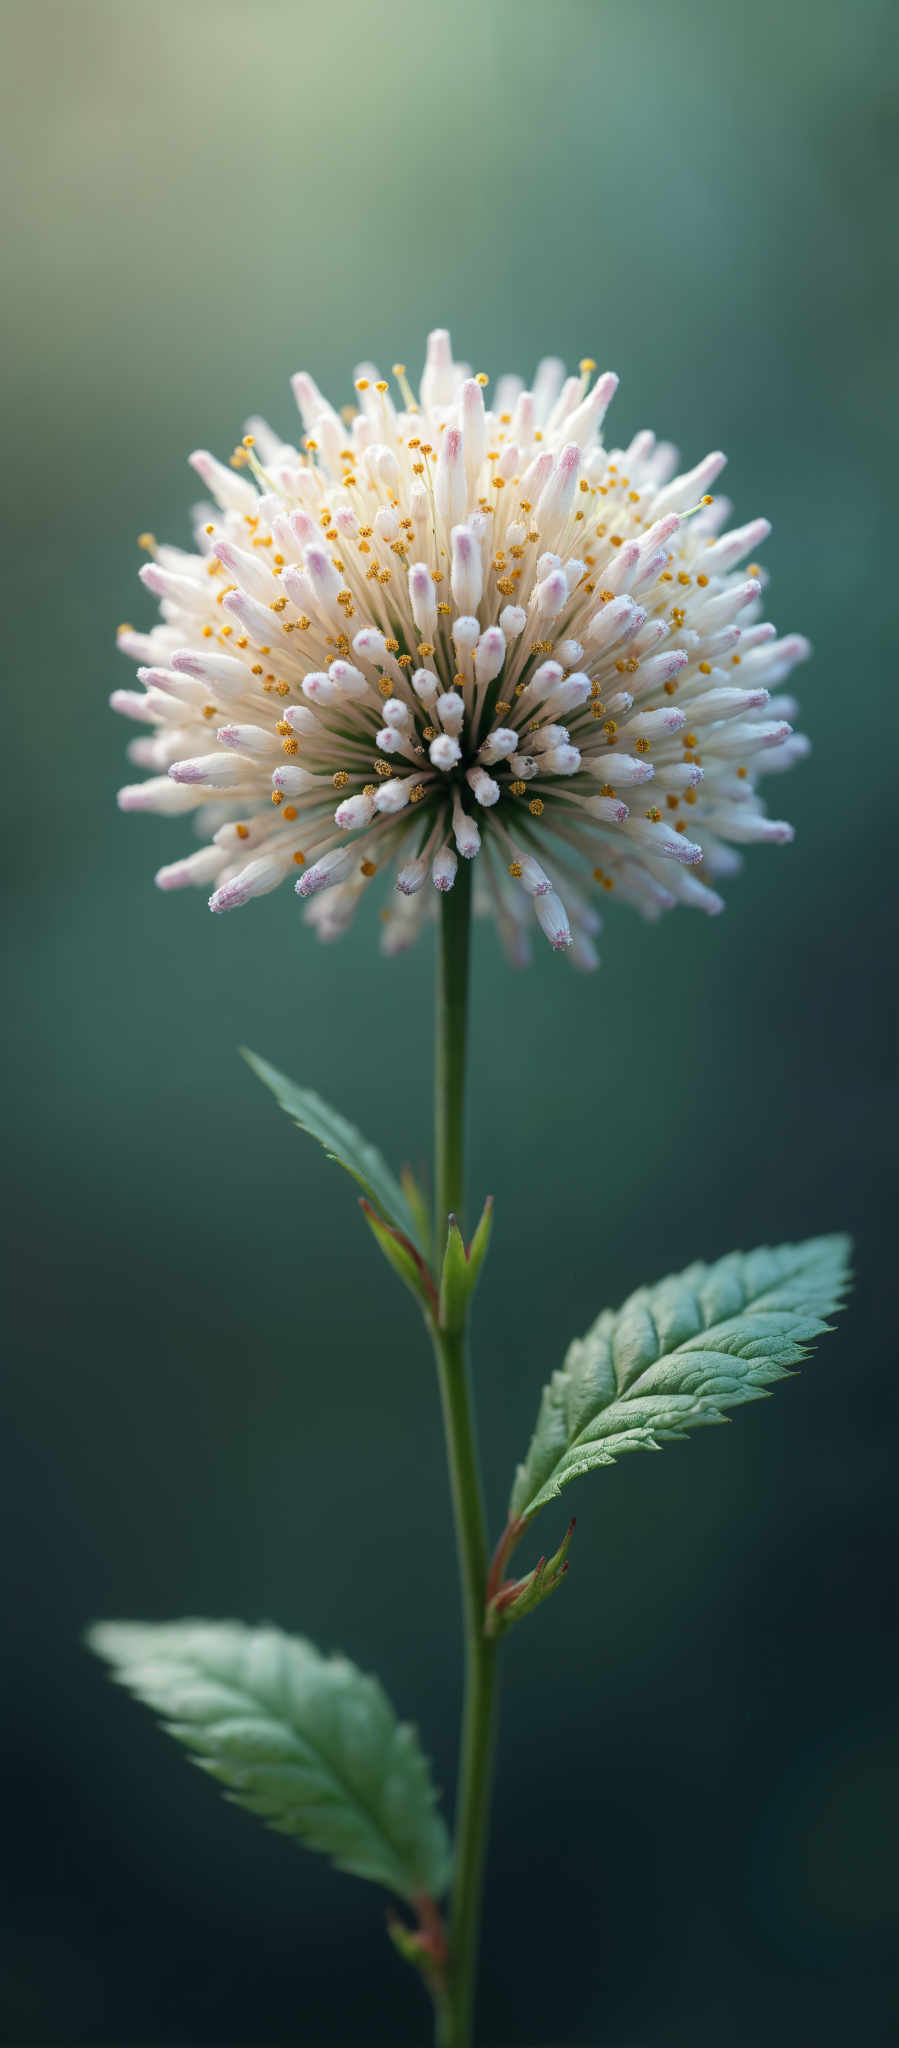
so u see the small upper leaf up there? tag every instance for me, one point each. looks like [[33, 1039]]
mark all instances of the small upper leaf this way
[[344, 1144], [675, 1355], [307, 1742]]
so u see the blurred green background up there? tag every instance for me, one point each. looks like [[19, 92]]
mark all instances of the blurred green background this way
[[217, 1402]]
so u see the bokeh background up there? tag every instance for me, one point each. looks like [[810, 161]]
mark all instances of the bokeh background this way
[[217, 1404]]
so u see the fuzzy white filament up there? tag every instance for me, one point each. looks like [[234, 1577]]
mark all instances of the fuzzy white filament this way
[[443, 630]]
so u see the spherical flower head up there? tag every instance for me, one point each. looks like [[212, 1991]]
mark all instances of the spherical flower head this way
[[443, 630]]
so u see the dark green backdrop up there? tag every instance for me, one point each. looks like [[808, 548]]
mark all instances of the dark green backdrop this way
[[217, 1402]]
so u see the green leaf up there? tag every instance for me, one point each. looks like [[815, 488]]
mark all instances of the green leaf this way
[[307, 1742], [675, 1355], [344, 1144]]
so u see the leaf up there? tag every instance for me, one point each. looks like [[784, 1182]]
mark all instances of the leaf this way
[[307, 1742], [344, 1144], [675, 1355]]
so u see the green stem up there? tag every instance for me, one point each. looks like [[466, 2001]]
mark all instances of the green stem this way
[[455, 2019]]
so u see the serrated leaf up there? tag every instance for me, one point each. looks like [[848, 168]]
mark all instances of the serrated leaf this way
[[307, 1742], [675, 1355], [344, 1144]]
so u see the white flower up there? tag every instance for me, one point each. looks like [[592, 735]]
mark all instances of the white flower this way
[[444, 631]]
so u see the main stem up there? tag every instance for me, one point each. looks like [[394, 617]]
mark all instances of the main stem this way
[[455, 2016]]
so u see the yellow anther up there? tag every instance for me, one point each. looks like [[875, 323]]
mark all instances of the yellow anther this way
[[518, 788], [641, 746], [536, 807], [515, 869], [277, 797], [416, 794], [585, 365], [290, 746], [367, 868], [300, 858], [481, 378], [654, 815]]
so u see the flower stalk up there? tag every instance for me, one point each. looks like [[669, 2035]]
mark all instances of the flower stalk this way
[[455, 2011]]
